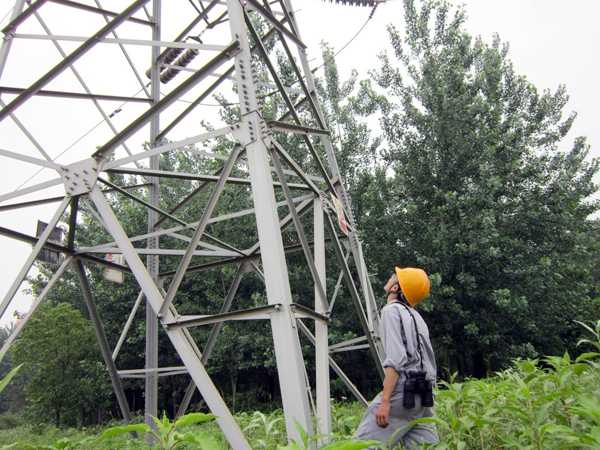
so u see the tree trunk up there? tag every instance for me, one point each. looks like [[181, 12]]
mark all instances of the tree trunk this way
[[453, 366], [233, 391], [232, 374], [175, 405], [480, 366]]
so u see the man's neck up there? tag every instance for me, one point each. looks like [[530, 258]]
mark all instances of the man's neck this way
[[392, 297]]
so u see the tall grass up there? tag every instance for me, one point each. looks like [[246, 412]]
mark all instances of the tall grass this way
[[547, 404]]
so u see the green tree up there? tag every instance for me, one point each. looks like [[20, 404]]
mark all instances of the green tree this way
[[55, 344], [481, 195]]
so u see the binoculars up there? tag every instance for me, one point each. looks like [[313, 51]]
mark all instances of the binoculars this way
[[417, 383]]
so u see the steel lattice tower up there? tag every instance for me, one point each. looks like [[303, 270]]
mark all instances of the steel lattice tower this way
[[144, 72]]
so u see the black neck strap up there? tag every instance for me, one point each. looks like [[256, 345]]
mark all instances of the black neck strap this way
[[404, 303]]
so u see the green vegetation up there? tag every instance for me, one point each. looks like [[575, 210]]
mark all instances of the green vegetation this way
[[54, 343], [486, 195], [167, 435], [549, 403]]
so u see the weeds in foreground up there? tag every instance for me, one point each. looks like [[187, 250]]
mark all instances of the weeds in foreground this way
[[167, 434], [264, 432], [548, 403]]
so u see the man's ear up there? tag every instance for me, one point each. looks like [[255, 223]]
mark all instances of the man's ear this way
[[395, 288]]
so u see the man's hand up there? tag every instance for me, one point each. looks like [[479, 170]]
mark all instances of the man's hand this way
[[382, 414]]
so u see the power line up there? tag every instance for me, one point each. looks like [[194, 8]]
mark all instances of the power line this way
[[116, 111], [7, 14], [350, 41], [201, 104]]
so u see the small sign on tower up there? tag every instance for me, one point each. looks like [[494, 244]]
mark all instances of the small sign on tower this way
[[340, 214], [114, 275], [46, 255]]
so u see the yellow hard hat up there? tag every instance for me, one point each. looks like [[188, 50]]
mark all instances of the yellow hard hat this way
[[414, 284]]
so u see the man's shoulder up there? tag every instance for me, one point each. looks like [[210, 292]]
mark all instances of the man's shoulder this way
[[393, 308]]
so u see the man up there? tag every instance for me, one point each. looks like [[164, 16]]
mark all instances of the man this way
[[409, 356]]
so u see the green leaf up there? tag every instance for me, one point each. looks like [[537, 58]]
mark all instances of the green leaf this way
[[193, 418], [9, 377], [528, 367], [545, 398], [481, 421], [541, 415], [446, 394], [578, 369], [555, 428], [591, 403], [63, 443], [585, 356], [271, 424], [303, 434], [349, 445], [434, 420], [520, 412], [142, 427], [586, 326], [202, 439]]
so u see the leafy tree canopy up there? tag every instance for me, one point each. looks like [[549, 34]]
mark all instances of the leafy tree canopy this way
[[55, 344], [480, 195]]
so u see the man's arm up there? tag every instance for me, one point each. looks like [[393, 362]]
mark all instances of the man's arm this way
[[389, 383]]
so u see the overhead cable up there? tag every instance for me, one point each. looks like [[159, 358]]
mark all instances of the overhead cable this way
[[350, 41]]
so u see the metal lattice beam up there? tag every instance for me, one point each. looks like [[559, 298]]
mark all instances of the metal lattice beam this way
[[244, 154]]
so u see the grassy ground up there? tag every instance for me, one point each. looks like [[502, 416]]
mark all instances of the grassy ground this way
[[263, 431]]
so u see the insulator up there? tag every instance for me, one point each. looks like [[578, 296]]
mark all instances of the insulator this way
[[168, 75], [170, 56], [183, 61], [187, 57]]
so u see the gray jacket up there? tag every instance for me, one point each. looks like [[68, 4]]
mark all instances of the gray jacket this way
[[395, 317]]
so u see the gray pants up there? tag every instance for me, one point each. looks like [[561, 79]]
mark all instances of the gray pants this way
[[399, 419]]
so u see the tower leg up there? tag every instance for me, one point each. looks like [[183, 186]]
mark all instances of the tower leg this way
[[321, 331], [187, 350], [290, 363], [151, 378]]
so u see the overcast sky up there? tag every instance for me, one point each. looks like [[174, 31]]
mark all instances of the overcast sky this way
[[552, 42]]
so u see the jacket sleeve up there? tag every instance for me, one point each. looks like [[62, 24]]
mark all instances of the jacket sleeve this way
[[391, 337]]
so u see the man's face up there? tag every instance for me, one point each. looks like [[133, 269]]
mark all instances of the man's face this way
[[391, 285]]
